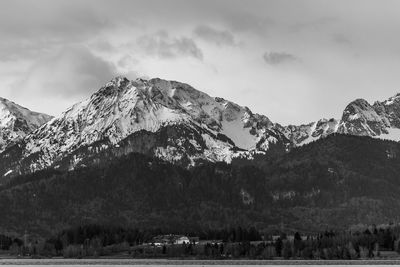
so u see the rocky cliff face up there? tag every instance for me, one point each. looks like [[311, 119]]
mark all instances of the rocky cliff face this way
[[360, 118], [380, 120]]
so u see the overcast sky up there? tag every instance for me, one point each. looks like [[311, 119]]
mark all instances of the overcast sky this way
[[294, 61]]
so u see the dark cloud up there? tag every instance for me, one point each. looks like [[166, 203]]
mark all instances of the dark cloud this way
[[50, 20], [74, 71], [164, 46], [275, 58], [212, 35], [30, 29], [341, 39]]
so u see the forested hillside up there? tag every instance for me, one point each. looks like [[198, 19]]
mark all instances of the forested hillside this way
[[334, 183]]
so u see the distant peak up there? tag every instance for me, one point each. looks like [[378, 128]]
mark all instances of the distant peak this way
[[219, 99], [392, 99], [114, 86], [5, 100], [11, 105], [142, 79], [119, 80], [325, 120], [360, 101], [358, 105]]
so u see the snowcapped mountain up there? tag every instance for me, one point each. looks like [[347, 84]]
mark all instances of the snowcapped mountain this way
[[175, 122], [16, 122], [380, 120], [167, 119]]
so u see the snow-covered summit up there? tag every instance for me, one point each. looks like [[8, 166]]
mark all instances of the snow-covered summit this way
[[122, 107], [16, 122], [176, 122]]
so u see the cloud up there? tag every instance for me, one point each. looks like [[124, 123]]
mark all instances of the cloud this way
[[127, 61], [341, 39], [164, 46], [34, 32], [14, 51], [50, 19], [102, 45], [249, 22], [214, 36], [72, 72], [31, 29], [275, 58]]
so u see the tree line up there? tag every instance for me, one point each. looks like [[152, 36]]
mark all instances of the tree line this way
[[239, 242]]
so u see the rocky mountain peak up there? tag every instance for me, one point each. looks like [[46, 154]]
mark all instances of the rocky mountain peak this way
[[181, 122], [392, 100], [360, 103], [16, 122], [360, 118], [390, 109], [176, 122], [113, 87]]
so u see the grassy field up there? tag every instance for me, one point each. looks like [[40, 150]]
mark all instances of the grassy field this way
[[162, 262]]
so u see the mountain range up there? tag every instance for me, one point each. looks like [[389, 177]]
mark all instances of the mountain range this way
[[169, 120], [158, 153]]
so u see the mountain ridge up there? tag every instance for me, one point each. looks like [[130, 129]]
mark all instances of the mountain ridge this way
[[16, 122], [180, 124]]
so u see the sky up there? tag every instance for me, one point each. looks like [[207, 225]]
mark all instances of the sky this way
[[294, 61]]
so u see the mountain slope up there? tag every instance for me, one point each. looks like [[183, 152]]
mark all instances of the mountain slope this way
[[380, 120], [333, 183], [215, 129], [175, 122], [16, 122]]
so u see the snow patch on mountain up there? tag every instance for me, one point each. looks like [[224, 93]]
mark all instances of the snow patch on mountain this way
[[307, 133], [123, 107], [16, 122], [180, 123], [392, 134], [239, 135]]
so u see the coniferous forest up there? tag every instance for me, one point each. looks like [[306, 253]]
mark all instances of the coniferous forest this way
[[332, 184]]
